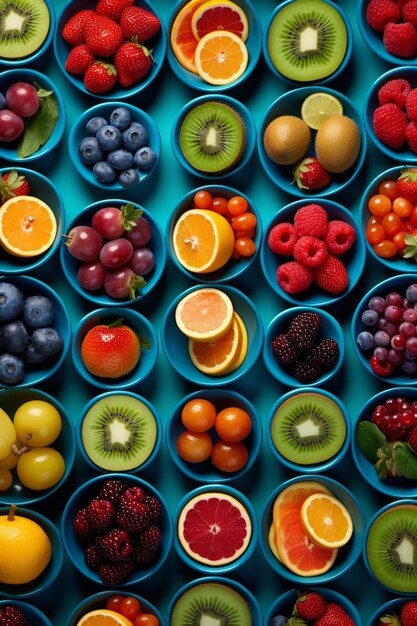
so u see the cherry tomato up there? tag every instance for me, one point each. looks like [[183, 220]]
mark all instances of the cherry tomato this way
[[233, 424], [194, 447], [409, 227], [237, 205], [219, 205], [245, 246], [229, 457], [246, 221], [130, 608], [198, 415], [375, 234], [249, 234], [392, 224], [389, 188], [379, 205], [113, 603], [413, 216], [402, 207], [236, 255], [146, 619], [375, 219], [399, 240], [386, 249], [203, 199]]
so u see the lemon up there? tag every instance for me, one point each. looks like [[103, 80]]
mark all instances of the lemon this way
[[318, 107]]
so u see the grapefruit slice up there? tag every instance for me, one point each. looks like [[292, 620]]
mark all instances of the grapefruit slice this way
[[205, 314], [215, 15], [326, 521], [293, 497], [183, 42], [214, 358], [221, 57], [214, 528], [103, 617]]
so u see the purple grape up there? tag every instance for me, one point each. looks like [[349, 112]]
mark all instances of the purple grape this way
[[381, 354], [411, 293], [142, 261], [395, 357], [393, 313], [394, 299], [11, 125], [407, 304], [84, 243], [123, 283], [411, 346], [392, 329], [369, 317], [91, 275], [410, 315], [382, 324], [407, 329], [377, 304], [141, 233], [409, 367], [365, 340], [381, 338], [116, 253]]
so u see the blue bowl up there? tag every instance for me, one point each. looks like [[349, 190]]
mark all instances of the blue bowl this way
[[290, 104], [284, 604], [104, 109], [8, 151], [398, 503], [393, 606], [317, 467], [346, 557], [254, 607], [18, 494], [174, 342], [139, 324], [330, 328], [33, 287], [98, 601], [81, 497], [148, 405], [40, 187], [70, 265], [253, 44], [51, 571], [206, 472], [233, 268], [218, 569], [325, 80], [248, 123], [395, 283], [34, 616], [157, 43]]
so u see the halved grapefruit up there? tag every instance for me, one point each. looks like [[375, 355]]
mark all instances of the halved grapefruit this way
[[183, 42], [293, 497], [219, 15]]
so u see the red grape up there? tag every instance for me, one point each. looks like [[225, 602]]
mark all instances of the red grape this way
[[122, 283], [84, 243], [116, 253], [11, 125], [141, 233], [142, 261], [22, 99], [108, 222], [91, 275]]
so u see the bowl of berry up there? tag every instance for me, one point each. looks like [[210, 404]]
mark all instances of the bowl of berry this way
[[117, 530], [399, 611], [313, 254], [110, 50], [16, 612], [118, 605]]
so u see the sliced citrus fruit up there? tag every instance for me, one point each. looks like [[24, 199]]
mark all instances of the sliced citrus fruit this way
[[273, 542], [103, 617], [214, 528], [215, 357], [293, 497], [183, 42], [318, 107], [203, 240], [215, 15], [204, 314], [326, 521], [221, 57], [242, 347], [27, 226]]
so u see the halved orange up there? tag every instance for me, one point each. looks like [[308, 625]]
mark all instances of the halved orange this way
[[215, 357], [27, 226], [221, 57], [204, 314], [326, 521], [183, 42], [242, 347], [220, 15], [103, 617]]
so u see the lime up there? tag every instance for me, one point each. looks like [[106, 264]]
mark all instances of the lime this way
[[318, 107]]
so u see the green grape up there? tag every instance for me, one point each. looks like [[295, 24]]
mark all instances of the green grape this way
[[40, 468]]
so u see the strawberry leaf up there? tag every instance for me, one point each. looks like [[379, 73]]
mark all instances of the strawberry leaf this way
[[370, 439], [144, 342], [130, 216], [406, 460]]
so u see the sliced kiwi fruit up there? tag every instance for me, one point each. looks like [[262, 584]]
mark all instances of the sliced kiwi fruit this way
[[307, 40], [392, 548], [24, 26], [119, 433], [212, 137], [308, 428], [211, 604]]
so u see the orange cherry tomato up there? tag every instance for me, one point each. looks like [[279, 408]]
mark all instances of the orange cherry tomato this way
[[245, 221], [402, 207], [219, 205], [386, 249], [233, 424], [399, 240], [392, 224], [375, 219], [389, 188], [413, 216], [194, 447], [237, 205], [113, 603], [198, 415], [375, 234], [229, 457], [249, 234], [130, 607], [146, 619], [203, 200], [245, 246], [235, 255], [379, 205]]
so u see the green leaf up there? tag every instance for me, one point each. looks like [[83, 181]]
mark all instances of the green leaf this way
[[39, 127], [144, 342], [130, 216], [370, 439], [406, 460], [136, 284]]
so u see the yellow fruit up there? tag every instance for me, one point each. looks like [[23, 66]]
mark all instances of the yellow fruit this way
[[286, 139], [221, 57], [40, 468], [103, 617], [215, 357], [326, 521], [7, 434], [318, 107], [204, 315], [37, 423], [27, 226], [338, 142], [242, 347], [273, 542], [6, 478], [10, 461]]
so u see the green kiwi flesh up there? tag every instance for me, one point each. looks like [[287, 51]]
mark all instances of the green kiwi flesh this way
[[119, 433], [307, 40], [24, 26], [212, 137], [392, 548], [211, 604], [308, 428]]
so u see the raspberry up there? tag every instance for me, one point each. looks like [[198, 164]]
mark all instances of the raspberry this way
[[400, 40], [283, 350], [389, 124], [115, 545], [412, 439], [293, 277], [12, 616], [93, 558], [100, 514], [380, 12], [411, 106], [147, 545], [332, 275], [155, 508], [394, 91], [282, 239], [112, 490], [410, 12], [340, 237], [132, 493], [305, 372], [310, 251], [303, 329], [134, 516], [115, 573], [411, 136], [381, 369], [311, 220], [328, 350], [82, 526]]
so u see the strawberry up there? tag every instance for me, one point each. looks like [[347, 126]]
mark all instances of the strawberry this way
[[103, 36], [74, 30], [133, 62], [311, 606], [12, 184], [310, 174], [100, 77], [412, 441], [407, 184], [331, 275], [334, 616], [409, 613], [113, 8], [136, 22], [79, 59]]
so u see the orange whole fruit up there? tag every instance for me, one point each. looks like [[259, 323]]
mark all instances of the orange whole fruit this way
[[110, 351]]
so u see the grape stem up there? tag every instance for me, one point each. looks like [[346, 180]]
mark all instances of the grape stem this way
[[10, 516]]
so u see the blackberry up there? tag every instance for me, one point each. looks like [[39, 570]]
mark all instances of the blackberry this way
[[12, 616], [303, 329], [115, 573], [313, 357], [82, 526], [329, 353], [93, 558], [132, 494], [305, 372], [283, 350], [133, 516], [147, 545], [112, 490], [100, 514], [114, 545], [155, 508]]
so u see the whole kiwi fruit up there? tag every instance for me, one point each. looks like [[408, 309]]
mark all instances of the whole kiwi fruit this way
[[286, 139]]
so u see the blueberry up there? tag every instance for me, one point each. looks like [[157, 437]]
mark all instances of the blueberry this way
[[47, 341], [109, 138], [411, 293], [2, 101], [369, 317], [11, 302], [32, 356], [104, 172], [145, 158], [278, 620], [377, 304], [89, 151], [15, 337], [12, 369], [121, 118], [94, 125], [365, 340], [129, 178], [135, 137], [120, 159], [37, 311]]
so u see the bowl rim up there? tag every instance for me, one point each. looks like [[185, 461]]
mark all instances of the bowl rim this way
[[387, 606]]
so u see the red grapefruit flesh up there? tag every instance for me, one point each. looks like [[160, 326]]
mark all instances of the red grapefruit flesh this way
[[183, 42], [219, 15]]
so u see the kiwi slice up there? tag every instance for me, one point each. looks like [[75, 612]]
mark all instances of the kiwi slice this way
[[24, 26], [307, 40], [119, 433], [308, 428], [212, 137], [211, 604], [392, 548]]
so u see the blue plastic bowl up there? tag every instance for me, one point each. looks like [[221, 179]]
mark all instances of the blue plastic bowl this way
[[393, 606], [330, 329], [33, 287], [318, 467], [91, 403], [353, 259], [284, 604], [346, 557], [10, 401], [157, 44], [248, 123], [81, 497], [139, 324], [8, 151], [253, 44], [327, 79], [175, 343], [52, 570], [398, 503], [70, 265], [290, 104], [252, 602], [395, 283], [98, 601], [233, 268], [34, 616], [404, 154], [206, 472], [104, 109], [218, 569], [42, 188]]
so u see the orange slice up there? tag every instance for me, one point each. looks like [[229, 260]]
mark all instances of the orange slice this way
[[183, 42], [103, 617], [242, 347], [215, 357], [205, 314], [293, 497], [326, 521], [221, 57], [27, 226], [272, 542], [215, 15]]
